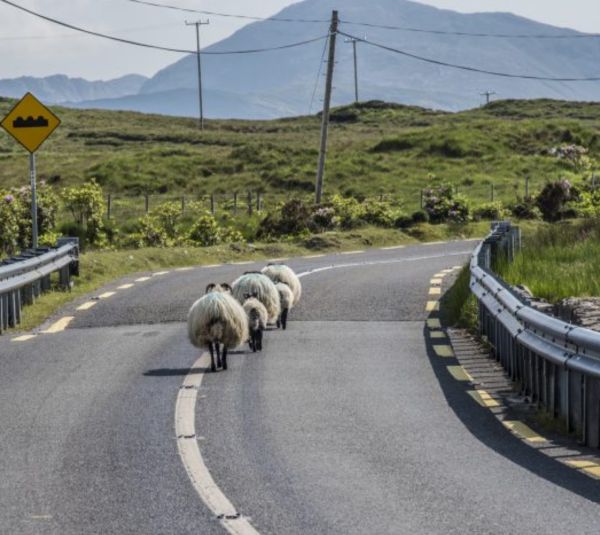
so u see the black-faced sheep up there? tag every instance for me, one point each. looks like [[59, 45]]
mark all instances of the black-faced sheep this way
[[286, 298], [257, 284], [215, 319], [257, 321]]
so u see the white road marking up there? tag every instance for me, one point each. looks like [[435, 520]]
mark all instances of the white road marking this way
[[158, 274], [184, 269], [189, 451], [244, 263], [106, 295], [142, 279], [393, 248], [353, 252], [212, 266], [125, 286], [314, 256]]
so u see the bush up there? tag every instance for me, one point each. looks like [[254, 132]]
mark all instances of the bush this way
[[403, 221], [442, 205], [324, 219], [9, 225], [205, 231], [291, 218], [588, 204], [86, 204], [493, 211], [348, 211], [525, 208], [420, 216], [552, 200], [379, 214]]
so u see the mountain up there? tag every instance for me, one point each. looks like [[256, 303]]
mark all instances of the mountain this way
[[61, 88], [280, 83]]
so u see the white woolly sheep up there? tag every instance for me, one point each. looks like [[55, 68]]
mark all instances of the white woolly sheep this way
[[257, 321], [282, 273], [286, 298], [260, 286], [215, 319]]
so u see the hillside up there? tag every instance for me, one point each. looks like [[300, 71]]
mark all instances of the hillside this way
[[62, 89], [374, 148], [280, 83]]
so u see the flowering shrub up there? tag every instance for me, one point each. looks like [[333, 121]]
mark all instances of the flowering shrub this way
[[324, 218], [525, 208], [575, 156], [348, 211], [442, 205], [206, 231], [553, 199], [86, 204], [9, 225], [493, 211]]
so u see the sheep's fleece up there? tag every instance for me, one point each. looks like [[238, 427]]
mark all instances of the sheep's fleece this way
[[282, 273], [257, 284]]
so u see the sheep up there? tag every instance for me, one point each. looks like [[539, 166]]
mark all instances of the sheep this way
[[286, 297], [217, 318], [255, 283], [257, 321], [282, 273]]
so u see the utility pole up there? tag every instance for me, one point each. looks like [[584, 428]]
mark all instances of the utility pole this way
[[198, 24], [487, 95], [326, 106], [354, 40]]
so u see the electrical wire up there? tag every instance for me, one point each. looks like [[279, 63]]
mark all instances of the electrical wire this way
[[228, 15], [471, 69], [372, 25], [322, 60], [469, 34], [157, 47]]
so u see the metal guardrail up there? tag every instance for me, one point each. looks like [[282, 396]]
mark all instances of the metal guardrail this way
[[556, 364], [25, 277]]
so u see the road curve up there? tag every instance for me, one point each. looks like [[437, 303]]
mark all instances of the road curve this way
[[345, 423]]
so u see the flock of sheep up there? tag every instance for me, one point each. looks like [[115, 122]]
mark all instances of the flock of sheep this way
[[227, 316]]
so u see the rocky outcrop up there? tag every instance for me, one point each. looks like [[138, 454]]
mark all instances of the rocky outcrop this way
[[582, 311]]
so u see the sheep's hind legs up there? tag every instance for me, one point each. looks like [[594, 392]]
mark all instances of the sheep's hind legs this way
[[224, 357], [284, 316], [258, 341], [218, 347], [212, 357]]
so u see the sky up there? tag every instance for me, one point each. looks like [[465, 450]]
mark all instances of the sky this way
[[31, 47]]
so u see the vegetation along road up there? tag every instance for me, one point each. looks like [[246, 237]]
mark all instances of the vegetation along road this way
[[348, 422]]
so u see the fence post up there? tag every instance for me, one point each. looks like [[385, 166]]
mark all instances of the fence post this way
[[421, 199], [147, 203], [249, 203], [108, 205], [212, 203]]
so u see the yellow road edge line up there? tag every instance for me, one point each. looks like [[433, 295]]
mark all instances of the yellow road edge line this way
[[440, 275], [436, 281], [87, 306], [459, 373], [444, 351], [432, 306], [583, 463], [435, 291], [434, 323], [437, 334], [191, 456], [523, 431], [483, 398], [59, 326], [24, 338], [593, 470]]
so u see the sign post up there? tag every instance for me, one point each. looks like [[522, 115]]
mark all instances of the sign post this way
[[31, 123]]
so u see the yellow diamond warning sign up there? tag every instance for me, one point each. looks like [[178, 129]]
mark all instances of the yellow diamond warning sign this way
[[30, 122]]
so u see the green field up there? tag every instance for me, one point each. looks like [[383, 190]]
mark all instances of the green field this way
[[374, 149]]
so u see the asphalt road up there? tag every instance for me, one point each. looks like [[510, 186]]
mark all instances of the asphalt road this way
[[345, 423]]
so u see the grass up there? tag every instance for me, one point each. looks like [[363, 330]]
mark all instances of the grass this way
[[559, 261], [101, 267], [373, 148]]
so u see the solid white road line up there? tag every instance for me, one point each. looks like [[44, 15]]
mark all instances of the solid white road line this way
[[189, 451]]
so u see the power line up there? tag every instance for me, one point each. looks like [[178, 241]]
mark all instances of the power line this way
[[228, 15], [473, 34], [312, 98], [471, 69], [372, 25], [158, 47]]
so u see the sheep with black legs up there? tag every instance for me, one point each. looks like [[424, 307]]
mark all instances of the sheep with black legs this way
[[282, 273], [257, 321], [284, 276], [286, 298], [217, 319], [257, 284]]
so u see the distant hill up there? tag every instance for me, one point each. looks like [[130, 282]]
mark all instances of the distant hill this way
[[60, 88], [280, 83]]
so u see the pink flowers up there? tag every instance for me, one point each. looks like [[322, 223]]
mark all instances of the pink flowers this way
[[8, 199]]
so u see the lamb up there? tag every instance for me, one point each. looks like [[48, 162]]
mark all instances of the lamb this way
[[286, 297], [255, 283], [257, 321], [282, 273], [217, 318]]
